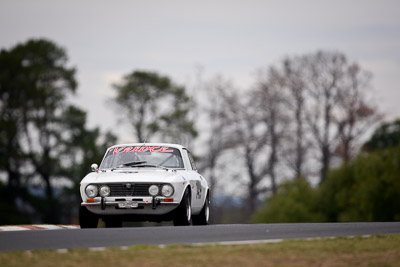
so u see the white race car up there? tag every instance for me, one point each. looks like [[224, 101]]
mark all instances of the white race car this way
[[144, 182]]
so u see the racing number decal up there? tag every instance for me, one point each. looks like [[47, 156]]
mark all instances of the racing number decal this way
[[199, 189], [196, 186]]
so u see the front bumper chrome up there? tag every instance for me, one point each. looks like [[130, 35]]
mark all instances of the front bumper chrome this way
[[115, 201]]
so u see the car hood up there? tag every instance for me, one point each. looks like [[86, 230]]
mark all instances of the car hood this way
[[133, 176]]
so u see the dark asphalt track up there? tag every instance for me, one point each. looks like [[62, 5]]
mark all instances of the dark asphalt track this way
[[115, 237]]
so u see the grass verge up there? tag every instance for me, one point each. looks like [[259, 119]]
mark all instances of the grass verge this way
[[379, 250]]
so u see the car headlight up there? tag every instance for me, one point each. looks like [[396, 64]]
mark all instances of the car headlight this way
[[105, 191], [91, 191], [167, 190], [153, 190]]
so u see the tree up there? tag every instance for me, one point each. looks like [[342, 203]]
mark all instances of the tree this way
[[218, 139], [296, 201], [385, 136], [252, 128], [355, 115], [364, 189], [12, 101], [50, 81], [154, 106], [248, 141], [337, 110], [83, 147], [34, 84], [324, 71], [294, 83], [269, 101], [328, 113], [39, 129]]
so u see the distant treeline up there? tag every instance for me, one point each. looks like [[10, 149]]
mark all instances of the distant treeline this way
[[294, 120], [365, 189]]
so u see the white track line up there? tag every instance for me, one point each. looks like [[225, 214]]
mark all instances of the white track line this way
[[70, 226], [37, 227], [224, 243], [242, 242], [266, 241], [13, 228]]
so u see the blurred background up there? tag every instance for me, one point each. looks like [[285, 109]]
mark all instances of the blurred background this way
[[290, 107]]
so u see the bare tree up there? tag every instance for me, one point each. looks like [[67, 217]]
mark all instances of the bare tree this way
[[245, 137], [355, 116], [270, 101], [324, 72], [294, 83], [310, 107], [337, 109], [217, 140], [250, 124], [253, 127]]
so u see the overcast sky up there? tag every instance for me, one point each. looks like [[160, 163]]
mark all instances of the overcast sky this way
[[106, 39]]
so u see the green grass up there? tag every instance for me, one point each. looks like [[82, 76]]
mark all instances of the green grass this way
[[380, 250]]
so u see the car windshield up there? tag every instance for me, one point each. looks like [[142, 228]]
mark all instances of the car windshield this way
[[142, 156]]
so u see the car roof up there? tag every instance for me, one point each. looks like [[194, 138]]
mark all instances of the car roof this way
[[149, 144]]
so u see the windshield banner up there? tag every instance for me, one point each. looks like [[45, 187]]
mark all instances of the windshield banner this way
[[127, 149]]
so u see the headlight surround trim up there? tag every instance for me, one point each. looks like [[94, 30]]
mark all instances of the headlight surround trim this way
[[154, 190], [91, 191], [104, 191], [167, 190]]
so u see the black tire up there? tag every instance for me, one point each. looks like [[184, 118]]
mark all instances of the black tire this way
[[183, 213], [87, 219], [204, 216], [113, 223]]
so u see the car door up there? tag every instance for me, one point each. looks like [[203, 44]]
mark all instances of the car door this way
[[196, 183]]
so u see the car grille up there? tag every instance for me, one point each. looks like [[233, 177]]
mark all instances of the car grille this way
[[134, 190]]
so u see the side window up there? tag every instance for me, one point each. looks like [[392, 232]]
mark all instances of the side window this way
[[192, 161]]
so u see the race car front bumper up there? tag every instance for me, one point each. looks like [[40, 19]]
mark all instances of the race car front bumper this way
[[130, 205]]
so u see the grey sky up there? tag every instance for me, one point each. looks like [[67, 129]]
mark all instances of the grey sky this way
[[106, 39]]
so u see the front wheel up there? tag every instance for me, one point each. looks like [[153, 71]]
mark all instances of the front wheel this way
[[87, 219], [204, 216], [183, 213]]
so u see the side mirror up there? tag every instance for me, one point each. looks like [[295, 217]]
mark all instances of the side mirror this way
[[94, 167]]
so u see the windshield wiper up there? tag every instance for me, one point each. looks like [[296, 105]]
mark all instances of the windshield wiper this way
[[129, 164], [133, 163], [151, 165]]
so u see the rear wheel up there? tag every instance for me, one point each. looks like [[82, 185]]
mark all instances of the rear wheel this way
[[87, 219], [183, 213], [204, 216]]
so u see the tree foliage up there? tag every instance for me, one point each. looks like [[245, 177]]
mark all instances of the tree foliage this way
[[364, 189], [84, 147], [295, 201], [153, 105], [387, 135], [40, 131]]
